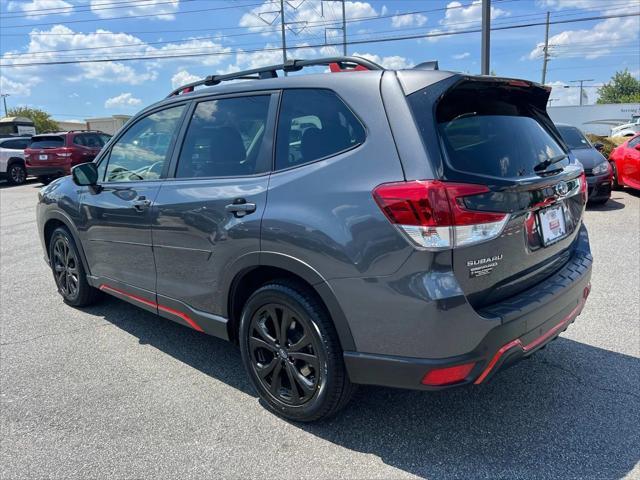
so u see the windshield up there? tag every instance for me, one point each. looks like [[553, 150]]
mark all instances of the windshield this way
[[573, 138]]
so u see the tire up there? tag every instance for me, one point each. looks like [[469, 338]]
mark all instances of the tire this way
[[614, 181], [68, 270], [16, 174], [309, 357]]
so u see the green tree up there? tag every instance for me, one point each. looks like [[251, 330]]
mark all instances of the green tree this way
[[623, 88], [41, 119]]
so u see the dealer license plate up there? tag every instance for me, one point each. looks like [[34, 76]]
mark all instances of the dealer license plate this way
[[552, 224]]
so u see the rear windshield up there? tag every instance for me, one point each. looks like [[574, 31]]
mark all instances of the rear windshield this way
[[489, 130], [52, 141], [573, 137]]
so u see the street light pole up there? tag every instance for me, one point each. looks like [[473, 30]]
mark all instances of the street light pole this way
[[4, 100], [486, 34], [581, 82]]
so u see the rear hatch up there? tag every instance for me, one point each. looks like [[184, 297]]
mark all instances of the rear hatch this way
[[48, 150], [522, 217]]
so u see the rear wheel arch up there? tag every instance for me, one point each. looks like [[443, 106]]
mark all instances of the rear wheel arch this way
[[13, 160], [281, 267], [59, 220]]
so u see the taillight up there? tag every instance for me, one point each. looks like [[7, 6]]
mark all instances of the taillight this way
[[64, 152], [584, 192], [432, 214]]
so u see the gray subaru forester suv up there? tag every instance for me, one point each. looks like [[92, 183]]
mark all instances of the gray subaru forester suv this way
[[417, 228]]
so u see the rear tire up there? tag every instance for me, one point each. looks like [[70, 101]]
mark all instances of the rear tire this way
[[16, 174], [291, 352], [68, 270]]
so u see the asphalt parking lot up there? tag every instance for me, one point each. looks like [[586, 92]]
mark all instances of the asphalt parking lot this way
[[113, 391]]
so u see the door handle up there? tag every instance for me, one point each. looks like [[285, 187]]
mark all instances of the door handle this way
[[240, 207], [141, 203]]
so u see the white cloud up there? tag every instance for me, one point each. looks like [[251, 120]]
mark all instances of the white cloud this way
[[44, 47], [34, 8], [16, 88], [408, 20], [162, 9], [394, 62], [460, 56], [458, 17], [122, 100], [591, 43], [182, 78]]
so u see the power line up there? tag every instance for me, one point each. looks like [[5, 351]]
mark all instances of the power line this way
[[91, 8], [127, 17], [219, 37], [354, 42]]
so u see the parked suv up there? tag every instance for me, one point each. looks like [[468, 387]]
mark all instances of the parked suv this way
[[12, 166], [417, 228], [52, 155]]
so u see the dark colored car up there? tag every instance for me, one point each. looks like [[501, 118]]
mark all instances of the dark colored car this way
[[596, 167], [625, 162], [52, 155], [417, 228]]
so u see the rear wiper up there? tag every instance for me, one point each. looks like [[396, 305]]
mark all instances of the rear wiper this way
[[549, 161]]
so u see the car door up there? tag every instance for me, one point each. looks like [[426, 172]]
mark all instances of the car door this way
[[116, 215], [631, 162], [208, 215]]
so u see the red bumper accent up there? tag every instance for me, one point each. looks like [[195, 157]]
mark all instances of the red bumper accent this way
[[144, 301], [517, 343]]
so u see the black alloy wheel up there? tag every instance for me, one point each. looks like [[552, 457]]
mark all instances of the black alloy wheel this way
[[17, 174], [291, 352], [68, 270], [65, 267], [283, 354]]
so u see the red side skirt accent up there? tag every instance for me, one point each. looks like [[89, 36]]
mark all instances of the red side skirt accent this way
[[531, 345], [149, 303]]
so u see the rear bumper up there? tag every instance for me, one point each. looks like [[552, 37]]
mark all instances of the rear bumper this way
[[48, 171], [528, 321]]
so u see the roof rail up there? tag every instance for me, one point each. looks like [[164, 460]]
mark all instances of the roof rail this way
[[337, 64]]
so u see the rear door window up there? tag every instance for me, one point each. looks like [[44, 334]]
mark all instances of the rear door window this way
[[49, 141], [225, 138], [314, 124], [489, 130]]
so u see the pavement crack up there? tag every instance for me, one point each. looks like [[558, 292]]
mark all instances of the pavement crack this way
[[53, 334], [582, 381]]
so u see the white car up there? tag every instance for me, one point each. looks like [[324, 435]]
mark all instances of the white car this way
[[628, 129], [12, 166]]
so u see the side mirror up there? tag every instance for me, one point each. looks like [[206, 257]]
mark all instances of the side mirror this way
[[598, 146], [85, 174]]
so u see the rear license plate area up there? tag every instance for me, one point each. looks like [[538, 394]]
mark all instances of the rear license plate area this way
[[42, 157], [553, 226]]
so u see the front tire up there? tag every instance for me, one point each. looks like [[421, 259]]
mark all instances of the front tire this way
[[16, 174], [68, 270], [291, 352], [615, 185]]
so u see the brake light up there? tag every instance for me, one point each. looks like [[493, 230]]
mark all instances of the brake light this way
[[584, 192], [447, 375], [64, 152], [433, 216]]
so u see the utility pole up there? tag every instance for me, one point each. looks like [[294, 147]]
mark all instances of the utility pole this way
[[545, 51], [284, 37], [344, 29], [581, 81], [486, 34], [4, 100]]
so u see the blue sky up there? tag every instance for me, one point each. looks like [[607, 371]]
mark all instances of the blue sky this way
[[245, 33]]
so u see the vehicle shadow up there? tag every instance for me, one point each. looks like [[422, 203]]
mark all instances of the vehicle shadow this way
[[30, 181], [611, 204], [571, 411]]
